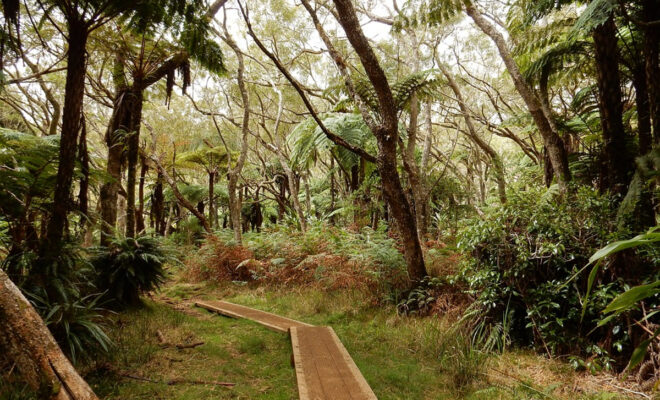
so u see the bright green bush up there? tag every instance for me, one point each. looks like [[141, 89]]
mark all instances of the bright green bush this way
[[523, 254]]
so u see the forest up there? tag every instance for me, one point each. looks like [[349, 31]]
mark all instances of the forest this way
[[463, 193]]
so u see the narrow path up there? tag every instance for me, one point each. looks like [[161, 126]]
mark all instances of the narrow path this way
[[324, 369], [270, 321]]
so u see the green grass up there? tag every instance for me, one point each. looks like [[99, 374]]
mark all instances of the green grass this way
[[401, 358], [256, 359]]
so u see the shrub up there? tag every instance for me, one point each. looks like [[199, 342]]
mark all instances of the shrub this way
[[63, 293], [130, 267], [77, 323], [523, 255]]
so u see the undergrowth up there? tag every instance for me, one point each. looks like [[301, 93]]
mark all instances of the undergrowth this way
[[325, 257]]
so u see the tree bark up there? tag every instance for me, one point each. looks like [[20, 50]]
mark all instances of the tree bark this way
[[212, 211], [553, 143], [139, 216], [83, 193], [618, 162], [114, 138], [644, 130], [422, 226], [332, 189], [158, 205], [71, 117], [29, 344], [651, 10], [234, 173], [133, 149]]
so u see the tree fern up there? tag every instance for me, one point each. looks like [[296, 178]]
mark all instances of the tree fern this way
[[307, 138], [424, 84]]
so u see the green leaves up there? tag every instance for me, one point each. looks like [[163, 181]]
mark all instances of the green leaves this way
[[652, 236], [29, 167], [432, 12], [130, 267], [596, 13], [307, 138], [640, 351], [631, 297], [424, 84]]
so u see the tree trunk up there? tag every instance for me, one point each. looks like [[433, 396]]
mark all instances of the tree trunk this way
[[28, 343], [139, 216], [651, 11], [233, 173], [618, 162], [293, 191], [308, 193], [387, 137], [415, 178], [400, 209], [114, 138], [553, 143], [83, 193], [121, 214], [158, 205], [168, 222], [211, 195], [71, 117], [281, 197], [332, 189], [644, 132], [133, 149], [426, 190]]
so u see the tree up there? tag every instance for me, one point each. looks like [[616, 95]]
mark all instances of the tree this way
[[149, 63], [551, 139], [81, 17]]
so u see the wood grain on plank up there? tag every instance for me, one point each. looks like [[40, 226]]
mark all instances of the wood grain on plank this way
[[324, 369]]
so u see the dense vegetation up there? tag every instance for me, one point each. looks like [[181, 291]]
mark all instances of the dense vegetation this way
[[486, 174]]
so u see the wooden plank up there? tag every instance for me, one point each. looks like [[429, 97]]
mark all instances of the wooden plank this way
[[324, 369], [269, 320]]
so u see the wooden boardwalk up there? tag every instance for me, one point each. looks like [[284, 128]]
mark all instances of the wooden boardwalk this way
[[270, 321], [324, 369]]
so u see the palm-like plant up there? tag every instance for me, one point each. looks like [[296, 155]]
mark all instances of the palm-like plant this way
[[129, 268], [307, 140]]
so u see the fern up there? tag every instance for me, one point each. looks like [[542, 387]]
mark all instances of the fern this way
[[596, 13], [424, 84], [307, 138]]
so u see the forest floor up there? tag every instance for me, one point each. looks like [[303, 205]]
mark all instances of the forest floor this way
[[401, 357]]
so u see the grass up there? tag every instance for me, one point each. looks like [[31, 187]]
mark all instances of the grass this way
[[401, 357], [241, 352]]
